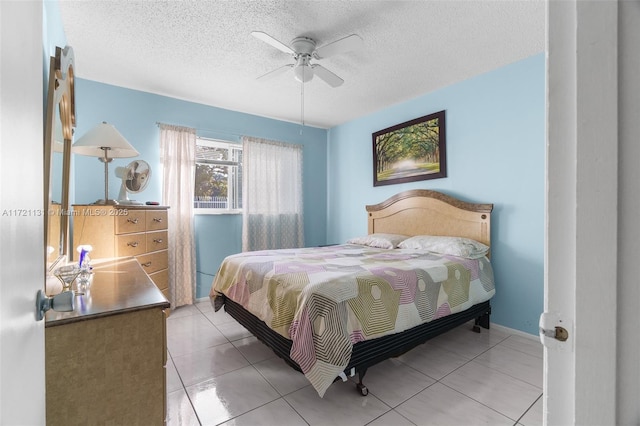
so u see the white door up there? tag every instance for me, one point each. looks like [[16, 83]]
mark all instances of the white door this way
[[22, 381], [581, 222]]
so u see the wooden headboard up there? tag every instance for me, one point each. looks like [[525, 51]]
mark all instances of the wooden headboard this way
[[425, 212]]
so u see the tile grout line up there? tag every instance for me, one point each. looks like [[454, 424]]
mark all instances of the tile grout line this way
[[393, 409], [249, 364], [203, 313], [479, 402], [524, 353], [184, 389], [518, 350], [294, 409], [527, 410], [467, 362], [471, 360]]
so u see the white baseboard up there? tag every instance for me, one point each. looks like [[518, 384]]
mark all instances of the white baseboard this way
[[515, 332], [202, 299]]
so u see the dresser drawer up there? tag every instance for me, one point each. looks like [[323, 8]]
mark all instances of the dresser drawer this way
[[154, 262], [161, 280], [134, 221], [156, 220], [156, 240], [131, 244]]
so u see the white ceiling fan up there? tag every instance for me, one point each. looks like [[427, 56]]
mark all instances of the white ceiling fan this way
[[303, 50]]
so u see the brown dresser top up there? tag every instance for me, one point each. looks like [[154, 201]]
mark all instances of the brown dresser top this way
[[124, 206], [119, 286]]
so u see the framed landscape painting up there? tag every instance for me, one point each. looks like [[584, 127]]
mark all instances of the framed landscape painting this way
[[410, 151]]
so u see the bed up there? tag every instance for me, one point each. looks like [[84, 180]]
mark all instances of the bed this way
[[334, 311]]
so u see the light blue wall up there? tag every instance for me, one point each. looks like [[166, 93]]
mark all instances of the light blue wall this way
[[135, 114], [495, 148], [495, 124], [211, 251]]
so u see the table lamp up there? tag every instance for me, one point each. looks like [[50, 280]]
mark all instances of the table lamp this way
[[106, 143]]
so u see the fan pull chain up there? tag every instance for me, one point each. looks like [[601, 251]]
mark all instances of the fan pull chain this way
[[302, 106]]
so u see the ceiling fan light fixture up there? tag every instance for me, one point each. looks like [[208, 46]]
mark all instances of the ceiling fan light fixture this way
[[303, 49], [303, 73]]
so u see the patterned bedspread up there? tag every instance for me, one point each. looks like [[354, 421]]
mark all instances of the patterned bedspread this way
[[326, 299]]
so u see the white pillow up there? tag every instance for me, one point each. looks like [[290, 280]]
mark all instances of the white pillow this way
[[454, 246], [385, 241]]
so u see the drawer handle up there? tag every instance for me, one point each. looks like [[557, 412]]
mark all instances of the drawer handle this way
[[157, 219], [146, 265], [133, 243], [134, 221], [157, 240]]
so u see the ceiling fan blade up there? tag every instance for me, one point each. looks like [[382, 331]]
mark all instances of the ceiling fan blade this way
[[276, 72], [327, 76], [347, 44], [273, 42]]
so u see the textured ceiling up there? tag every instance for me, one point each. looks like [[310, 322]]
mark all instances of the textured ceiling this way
[[203, 51]]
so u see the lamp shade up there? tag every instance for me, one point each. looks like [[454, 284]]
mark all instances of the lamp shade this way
[[104, 135]]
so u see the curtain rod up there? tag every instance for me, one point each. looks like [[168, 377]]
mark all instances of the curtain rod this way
[[204, 129], [224, 132]]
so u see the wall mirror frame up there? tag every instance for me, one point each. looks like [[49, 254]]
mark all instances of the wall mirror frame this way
[[60, 121]]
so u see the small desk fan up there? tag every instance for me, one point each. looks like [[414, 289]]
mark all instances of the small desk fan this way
[[135, 178]]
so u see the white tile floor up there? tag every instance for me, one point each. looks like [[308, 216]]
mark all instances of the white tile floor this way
[[218, 373]]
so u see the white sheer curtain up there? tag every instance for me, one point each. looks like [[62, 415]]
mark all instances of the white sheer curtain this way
[[177, 154], [271, 195]]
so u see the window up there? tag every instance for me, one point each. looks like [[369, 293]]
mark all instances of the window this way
[[218, 182]]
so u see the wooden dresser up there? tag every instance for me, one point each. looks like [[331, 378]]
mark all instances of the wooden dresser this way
[[124, 230], [105, 361]]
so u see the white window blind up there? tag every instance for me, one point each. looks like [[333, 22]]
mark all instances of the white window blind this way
[[218, 177]]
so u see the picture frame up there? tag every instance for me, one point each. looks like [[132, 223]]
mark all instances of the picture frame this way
[[411, 151]]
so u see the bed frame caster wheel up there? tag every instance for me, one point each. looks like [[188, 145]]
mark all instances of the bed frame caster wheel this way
[[362, 389], [476, 329]]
